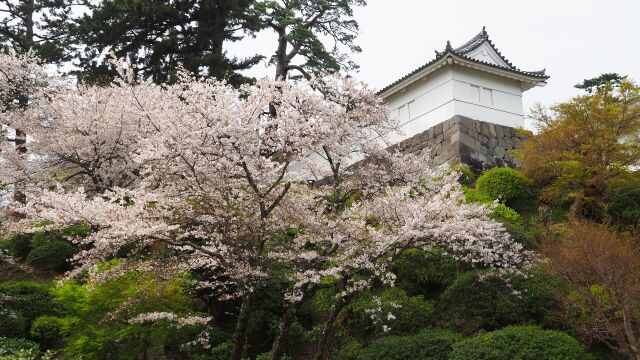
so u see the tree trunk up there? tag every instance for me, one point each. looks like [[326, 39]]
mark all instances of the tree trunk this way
[[239, 337], [575, 211], [277, 348], [327, 331]]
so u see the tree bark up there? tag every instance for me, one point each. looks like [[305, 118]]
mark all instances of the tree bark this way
[[327, 331], [277, 348], [239, 337], [575, 210]]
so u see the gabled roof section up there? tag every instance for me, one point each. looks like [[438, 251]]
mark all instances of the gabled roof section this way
[[480, 51]]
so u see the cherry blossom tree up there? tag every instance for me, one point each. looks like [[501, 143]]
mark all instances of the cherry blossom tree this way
[[204, 177]]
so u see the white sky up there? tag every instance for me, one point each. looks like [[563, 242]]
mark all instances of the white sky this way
[[572, 39]]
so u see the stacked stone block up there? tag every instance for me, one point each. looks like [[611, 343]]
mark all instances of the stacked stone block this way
[[478, 144]]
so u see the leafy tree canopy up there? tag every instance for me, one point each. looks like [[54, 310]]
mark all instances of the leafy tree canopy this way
[[598, 83], [583, 143], [42, 25], [159, 35]]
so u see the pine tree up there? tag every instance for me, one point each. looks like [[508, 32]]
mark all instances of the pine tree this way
[[42, 25], [158, 36], [303, 27]]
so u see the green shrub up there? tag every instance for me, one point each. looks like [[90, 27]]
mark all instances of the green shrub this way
[[466, 174], [481, 301], [20, 245], [414, 313], [9, 346], [50, 330], [623, 200], [520, 342], [505, 184], [422, 273], [426, 345], [52, 255], [30, 299], [506, 215], [349, 351], [12, 323]]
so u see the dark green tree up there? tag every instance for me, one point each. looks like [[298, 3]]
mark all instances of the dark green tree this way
[[42, 25], [313, 35], [159, 35], [598, 83]]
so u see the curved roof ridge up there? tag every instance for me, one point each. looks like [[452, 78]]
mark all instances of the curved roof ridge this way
[[462, 51]]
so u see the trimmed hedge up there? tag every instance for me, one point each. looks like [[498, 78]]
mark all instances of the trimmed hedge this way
[[426, 345], [505, 184], [9, 346], [522, 343], [473, 304], [52, 255], [30, 299], [20, 245], [12, 323]]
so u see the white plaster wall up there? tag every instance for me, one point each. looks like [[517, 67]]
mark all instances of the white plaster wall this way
[[455, 90]]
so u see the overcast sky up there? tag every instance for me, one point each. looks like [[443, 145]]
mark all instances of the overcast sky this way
[[572, 39]]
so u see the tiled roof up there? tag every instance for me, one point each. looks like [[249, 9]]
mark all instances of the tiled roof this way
[[462, 51]]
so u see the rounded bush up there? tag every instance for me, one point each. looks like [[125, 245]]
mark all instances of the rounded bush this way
[[480, 301], [52, 256], [20, 245], [12, 323], [505, 184], [49, 330], [520, 342], [425, 345], [415, 313], [9, 346], [30, 299]]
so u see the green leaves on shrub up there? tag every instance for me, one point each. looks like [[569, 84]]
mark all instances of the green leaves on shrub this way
[[12, 323], [505, 184], [30, 299], [52, 255], [9, 346], [480, 301], [20, 245], [51, 330], [426, 345], [411, 313], [520, 342]]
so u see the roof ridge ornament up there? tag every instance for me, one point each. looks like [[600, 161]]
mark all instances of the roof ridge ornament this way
[[448, 48], [484, 31]]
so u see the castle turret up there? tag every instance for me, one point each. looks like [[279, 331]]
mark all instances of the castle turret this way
[[464, 105]]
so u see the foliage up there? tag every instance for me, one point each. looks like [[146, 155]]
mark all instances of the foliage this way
[[598, 83], [12, 323], [41, 25], [584, 143], [466, 174], [600, 266], [302, 26], [399, 313], [52, 255], [622, 198], [419, 272], [159, 36], [20, 245], [425, 345], [103, 320], [519, 342], [30, 299], [504, 184], [481, 300], [50, 331], [9, 346]]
